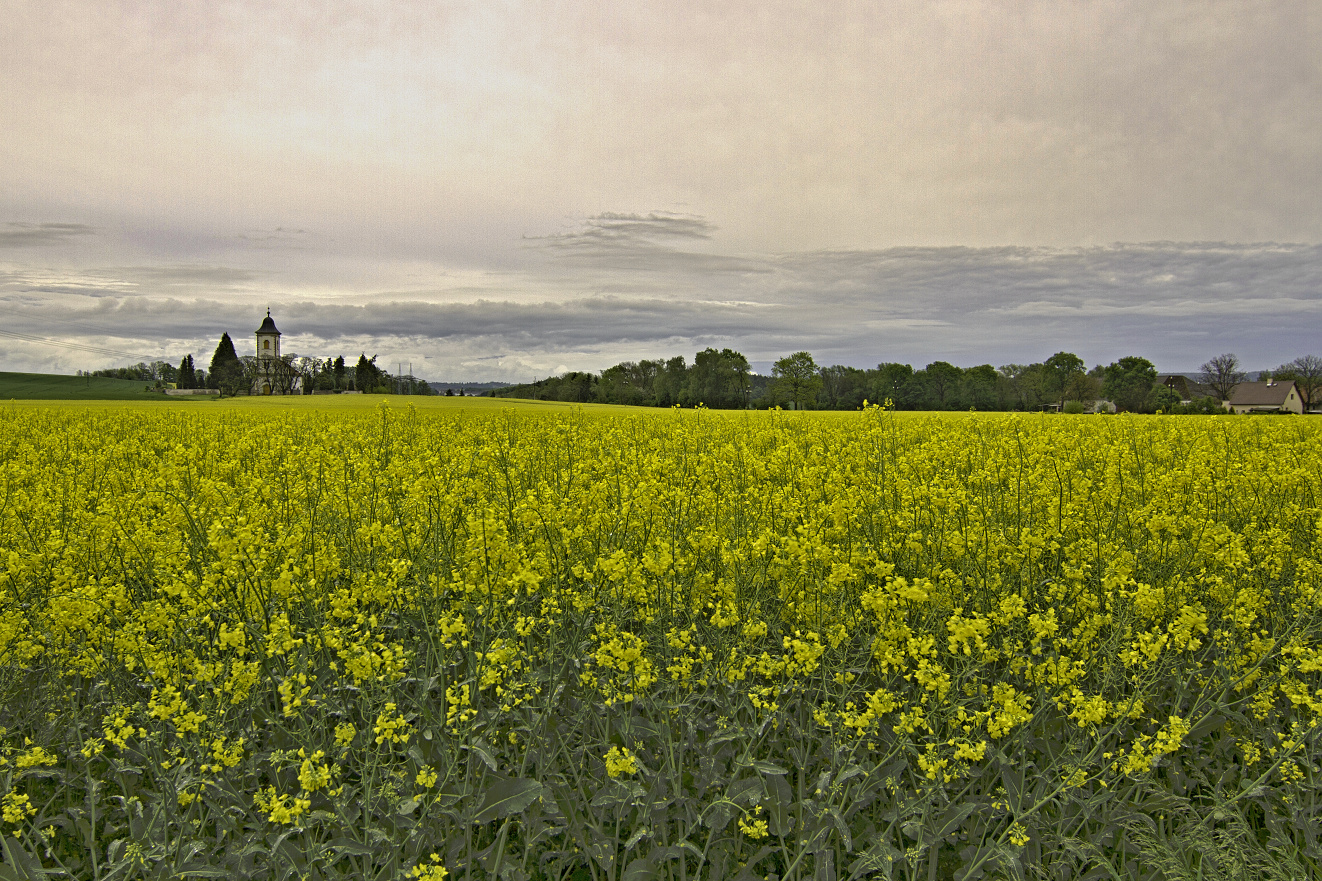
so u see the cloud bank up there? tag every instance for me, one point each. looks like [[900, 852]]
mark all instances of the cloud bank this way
[[623, 286]]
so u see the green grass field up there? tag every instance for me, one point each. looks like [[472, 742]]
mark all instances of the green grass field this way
[[37, 387], [51, 387]]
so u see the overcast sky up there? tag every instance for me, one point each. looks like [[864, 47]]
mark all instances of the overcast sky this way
[[504, 190]]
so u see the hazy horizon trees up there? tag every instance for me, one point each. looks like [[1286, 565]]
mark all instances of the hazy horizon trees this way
[[1058, 381]]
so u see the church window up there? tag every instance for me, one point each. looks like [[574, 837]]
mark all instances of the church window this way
[[266, 344]]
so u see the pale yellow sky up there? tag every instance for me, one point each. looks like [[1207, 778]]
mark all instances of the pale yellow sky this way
[[327, 154]]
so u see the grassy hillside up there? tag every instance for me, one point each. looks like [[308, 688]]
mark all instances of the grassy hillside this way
[[50, 387]]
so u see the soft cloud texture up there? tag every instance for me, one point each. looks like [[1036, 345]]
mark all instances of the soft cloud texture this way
[[501, 190], [1175, 303]]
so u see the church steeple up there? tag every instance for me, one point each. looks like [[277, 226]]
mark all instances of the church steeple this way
[[268, 339], [268, 359]]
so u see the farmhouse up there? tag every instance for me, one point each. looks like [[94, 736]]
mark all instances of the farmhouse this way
[[1265, 397]]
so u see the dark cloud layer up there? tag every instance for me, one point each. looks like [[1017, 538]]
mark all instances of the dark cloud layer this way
[[1176, 304], [657, 242], [24, 235]]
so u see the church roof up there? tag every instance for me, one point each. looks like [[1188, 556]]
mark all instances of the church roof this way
[[268, 326]]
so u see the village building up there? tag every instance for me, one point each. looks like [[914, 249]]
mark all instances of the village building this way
[[271, 375], [1188, 389], [1265, 397]]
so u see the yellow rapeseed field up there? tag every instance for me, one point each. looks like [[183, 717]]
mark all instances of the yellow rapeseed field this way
[[377, 640]]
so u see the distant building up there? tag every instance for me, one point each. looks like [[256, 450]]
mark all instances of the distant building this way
[[271, 375], [1188, 389], [1265, 397]]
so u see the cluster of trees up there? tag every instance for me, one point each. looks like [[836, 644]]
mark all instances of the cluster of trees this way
[[157, 372], [301, 374], [719, 379], [723, 380], [234, 375]]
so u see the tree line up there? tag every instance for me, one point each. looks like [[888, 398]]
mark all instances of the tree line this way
[[724, 380], [232, 375], [302, 374]]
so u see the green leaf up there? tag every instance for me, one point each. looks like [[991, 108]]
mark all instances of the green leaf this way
[[779, 805], [351, 847], [17, 860], [769, 768], [847, 773], [843, 828], [749, 790], [507, 795], [617, 793], [205, 872], [718, 815], [640, 869], [953, 817], [482, 754], [643, 832]]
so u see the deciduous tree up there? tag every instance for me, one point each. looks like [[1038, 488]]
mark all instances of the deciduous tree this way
[[1306, 371], [1128, 382], [796, 379], [1059, 371], [1221, 375]]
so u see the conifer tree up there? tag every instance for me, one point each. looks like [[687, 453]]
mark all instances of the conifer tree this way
[[187, 374], [224, 355], [226, 369]]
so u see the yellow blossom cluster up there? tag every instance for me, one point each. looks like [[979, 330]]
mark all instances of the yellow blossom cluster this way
[[315, 596]]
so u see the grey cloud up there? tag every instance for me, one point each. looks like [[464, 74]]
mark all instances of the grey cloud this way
[[642, 243], [51, 286], [279, 238], [189, 275], [1173, 303], [614, 231], [22, 235]]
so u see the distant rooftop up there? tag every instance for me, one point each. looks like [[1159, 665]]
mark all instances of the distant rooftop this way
[[1261, 394]]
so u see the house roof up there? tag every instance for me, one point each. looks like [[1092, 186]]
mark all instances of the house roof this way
[[1261, 394], [1190, 388], [268, 326]]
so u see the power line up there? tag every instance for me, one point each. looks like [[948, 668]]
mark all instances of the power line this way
[[98, 350]]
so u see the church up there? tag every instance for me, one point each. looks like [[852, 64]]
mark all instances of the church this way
[[271, 375]]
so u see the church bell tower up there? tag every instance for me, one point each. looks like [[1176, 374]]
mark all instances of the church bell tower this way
[[268, 356]]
